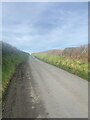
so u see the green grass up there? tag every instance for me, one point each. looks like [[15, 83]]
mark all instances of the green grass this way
[[11, 58], [75, 66], [9, 65], [0, 90]]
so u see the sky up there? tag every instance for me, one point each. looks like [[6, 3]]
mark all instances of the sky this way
[[37, 26]]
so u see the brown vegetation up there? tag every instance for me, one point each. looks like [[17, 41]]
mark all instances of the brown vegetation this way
[[72, 52]]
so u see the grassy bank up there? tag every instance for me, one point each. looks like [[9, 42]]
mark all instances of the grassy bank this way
[[11, 58], [77, 67]]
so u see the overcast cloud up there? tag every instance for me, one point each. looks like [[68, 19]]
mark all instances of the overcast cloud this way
[[37, 27]]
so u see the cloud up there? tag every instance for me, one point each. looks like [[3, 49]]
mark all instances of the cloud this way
[[41, 26], [0, 22]]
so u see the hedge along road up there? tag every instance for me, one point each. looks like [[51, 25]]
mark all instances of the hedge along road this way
[[43, 90]]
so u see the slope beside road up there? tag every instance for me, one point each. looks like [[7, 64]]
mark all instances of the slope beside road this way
[[42, 90]]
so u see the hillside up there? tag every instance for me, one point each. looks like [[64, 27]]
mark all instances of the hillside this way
[[0, 61], [11, 58], [71, 52], [77, 52]]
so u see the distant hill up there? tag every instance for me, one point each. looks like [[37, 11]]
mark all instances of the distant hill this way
[[73, 52], [55, 52], [77, 52]]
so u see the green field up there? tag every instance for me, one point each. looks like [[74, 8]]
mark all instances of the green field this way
[[75, 66]]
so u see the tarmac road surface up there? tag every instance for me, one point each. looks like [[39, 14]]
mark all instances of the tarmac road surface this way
[[41, 90]]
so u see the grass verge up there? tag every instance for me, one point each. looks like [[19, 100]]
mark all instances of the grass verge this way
[[77, 67], [9, 66]]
